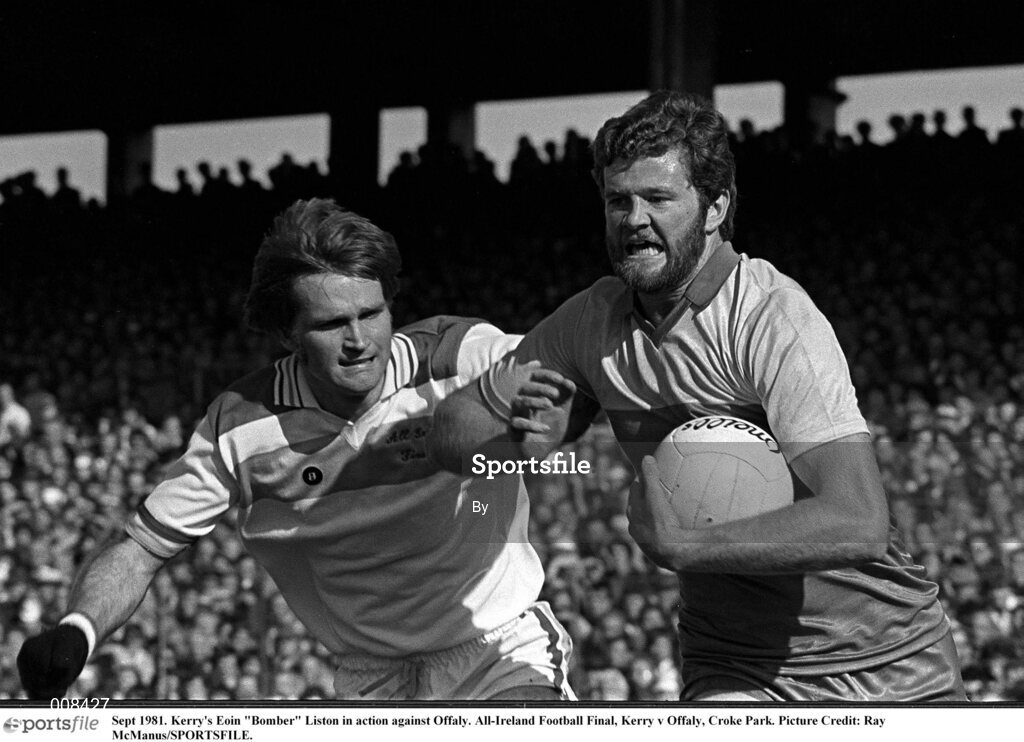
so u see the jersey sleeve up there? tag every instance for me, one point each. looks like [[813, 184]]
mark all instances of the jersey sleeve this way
[[447, 347], [800, 374], [197, 490], [482, 346], [554, 343]]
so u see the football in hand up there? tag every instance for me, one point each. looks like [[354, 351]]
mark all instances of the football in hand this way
[[718, 469]]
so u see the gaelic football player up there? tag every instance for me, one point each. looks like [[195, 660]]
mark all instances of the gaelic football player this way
[[380, 553], [814, 601]]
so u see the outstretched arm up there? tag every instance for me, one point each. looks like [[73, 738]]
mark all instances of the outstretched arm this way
[[463, 425], [105, 594], [844, 522], [543, 411], [111, 586]]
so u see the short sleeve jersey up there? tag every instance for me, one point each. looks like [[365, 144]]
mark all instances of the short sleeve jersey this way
[[376, 550], [745, 341]]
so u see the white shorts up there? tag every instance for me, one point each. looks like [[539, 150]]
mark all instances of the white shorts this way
[[531, 649]]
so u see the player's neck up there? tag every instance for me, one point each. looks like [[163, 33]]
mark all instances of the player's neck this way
[[656, 307]]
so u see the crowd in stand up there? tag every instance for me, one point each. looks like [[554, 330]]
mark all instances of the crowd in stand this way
[[118, 323]]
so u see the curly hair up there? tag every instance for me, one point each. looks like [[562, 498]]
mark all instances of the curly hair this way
[[310, 237], [668, 120]]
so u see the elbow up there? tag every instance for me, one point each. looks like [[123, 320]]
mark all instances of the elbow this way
[[878, 545]]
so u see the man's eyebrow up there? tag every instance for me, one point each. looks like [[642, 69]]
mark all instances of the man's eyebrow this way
[[373, 307], [343, 314], [642, 191]]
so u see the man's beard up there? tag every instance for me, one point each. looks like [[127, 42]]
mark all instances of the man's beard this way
[[680, 263]]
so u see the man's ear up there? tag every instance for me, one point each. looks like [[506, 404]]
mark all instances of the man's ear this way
[[717, 210]]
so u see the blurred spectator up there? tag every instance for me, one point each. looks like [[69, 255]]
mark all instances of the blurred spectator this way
[[15, 420], [66, 198]]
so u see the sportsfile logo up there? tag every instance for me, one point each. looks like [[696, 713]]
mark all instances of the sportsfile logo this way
[[53, 724]]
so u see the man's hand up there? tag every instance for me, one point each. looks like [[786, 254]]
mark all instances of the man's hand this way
[[50, 662], [540, 412], [653, 522]]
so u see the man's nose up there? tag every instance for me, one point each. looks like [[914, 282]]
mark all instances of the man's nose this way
[[355, 337], [637, 217]]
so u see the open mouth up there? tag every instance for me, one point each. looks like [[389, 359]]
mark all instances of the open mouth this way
[[643, 249], [355, 363]]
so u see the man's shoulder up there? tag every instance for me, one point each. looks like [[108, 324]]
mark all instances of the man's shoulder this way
[[765, 275], [607, 290], [762, 285], [439, 326], [255, 396], [605, 297]]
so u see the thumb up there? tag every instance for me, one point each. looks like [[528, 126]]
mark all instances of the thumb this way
[[649, 468]]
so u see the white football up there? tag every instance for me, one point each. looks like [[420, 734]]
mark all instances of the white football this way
[[718, 469]]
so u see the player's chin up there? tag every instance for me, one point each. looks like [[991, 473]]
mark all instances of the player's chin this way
[[646, 275]]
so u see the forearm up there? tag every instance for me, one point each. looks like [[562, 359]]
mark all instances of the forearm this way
[[462, 427], [111, 587], [804, 537], [839, 518]]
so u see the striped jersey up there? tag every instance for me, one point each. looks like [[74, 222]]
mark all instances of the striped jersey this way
[[377, 551], [745, 341]]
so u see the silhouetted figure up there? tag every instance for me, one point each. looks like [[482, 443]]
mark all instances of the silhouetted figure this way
[[66, 198], [147, 197], [939, 132], [8, 191], [576, 157], [1011, 140], [485, 191], [313, 182], [916, 136], [185, 188], [223, 182], [551, 153], [526, 165], [864, 132], [898, 125], [483, 170], [402, 176], [30, 195], [251, 189], [972, 137], [747, 136], [746, 145], [205, 171], [283, 175], [866, 151]]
